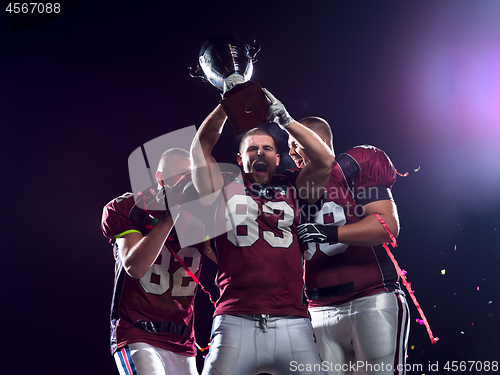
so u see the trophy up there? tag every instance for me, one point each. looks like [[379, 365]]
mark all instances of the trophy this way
[[227, 63]]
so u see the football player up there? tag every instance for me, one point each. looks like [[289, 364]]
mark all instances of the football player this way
[[152, 317], [261, 323], [359, 313]]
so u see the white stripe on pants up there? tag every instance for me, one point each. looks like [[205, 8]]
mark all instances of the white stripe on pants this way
[[150, 360], [373, 330]]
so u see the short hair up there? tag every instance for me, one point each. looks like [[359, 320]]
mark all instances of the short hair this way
[[168, 154], [257, 131], [320, 127]]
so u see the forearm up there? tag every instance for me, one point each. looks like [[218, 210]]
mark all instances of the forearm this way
[[205, 172], [209, 132], [368, 231], [138, 253], [315, 174], [316, 150]]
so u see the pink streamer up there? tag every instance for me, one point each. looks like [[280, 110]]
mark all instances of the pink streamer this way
[[403, 279]]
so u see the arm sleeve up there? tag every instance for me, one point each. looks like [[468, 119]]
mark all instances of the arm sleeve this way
[[376, 174], [115, 217]]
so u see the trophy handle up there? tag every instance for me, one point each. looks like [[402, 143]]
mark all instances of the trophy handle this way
[[253, 49], [197, 72]]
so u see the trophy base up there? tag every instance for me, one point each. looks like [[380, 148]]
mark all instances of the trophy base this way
[[246, 106]]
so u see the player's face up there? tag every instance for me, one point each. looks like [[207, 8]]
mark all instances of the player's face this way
[[258, 158], [177, 166], [296, 153]]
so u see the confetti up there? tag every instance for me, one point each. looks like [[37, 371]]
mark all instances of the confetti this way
[[404, 272], [477, 289], [416, 170], [455, 247], [443, 271], [420, 321], [412, 347], [402, 175], [203, 349]]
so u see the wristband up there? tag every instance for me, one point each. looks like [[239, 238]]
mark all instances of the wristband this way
[[332, 233], [287, 125]]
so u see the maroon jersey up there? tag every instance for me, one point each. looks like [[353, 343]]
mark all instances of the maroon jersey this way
[[337, 273], [260, 260], [158, 308]]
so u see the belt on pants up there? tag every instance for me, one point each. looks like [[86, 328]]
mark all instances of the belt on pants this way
[[263, 319], [266, 316], [331, 291], [162, 327]]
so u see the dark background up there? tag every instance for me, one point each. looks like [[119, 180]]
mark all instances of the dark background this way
[[79, 93]]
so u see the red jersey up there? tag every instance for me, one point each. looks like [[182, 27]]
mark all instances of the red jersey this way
[[163, 297], [338, 273], [260, 259]]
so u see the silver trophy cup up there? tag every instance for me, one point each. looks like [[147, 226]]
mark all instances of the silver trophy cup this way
[[227, 63]]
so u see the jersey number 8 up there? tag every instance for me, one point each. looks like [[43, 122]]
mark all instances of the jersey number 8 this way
[[242, 210], [161, 275]]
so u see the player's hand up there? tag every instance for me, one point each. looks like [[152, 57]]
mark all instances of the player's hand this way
[[312, 232], [146, 199], [232, 81], [161, 198], [277, 109]]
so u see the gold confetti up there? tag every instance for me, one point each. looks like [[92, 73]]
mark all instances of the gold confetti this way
[[443, 271]]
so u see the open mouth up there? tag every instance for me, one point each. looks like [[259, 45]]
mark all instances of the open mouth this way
[[299, 162], [260, 167]]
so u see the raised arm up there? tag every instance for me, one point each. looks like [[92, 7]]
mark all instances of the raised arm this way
[[313, 178], [206, 174]]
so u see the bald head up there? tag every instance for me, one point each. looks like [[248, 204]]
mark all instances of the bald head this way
[[172, 165], [320, 127]]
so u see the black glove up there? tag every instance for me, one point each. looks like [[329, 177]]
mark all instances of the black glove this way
[[312, 232], [277, 109], [147, 200], [162, 200]]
